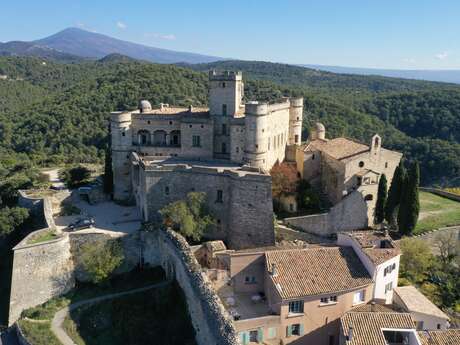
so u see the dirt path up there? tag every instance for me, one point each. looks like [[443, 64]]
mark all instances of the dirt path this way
[[58, 319]]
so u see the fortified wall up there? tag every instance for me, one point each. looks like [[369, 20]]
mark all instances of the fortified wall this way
[[45, 270], [348, 214], [240, 198]]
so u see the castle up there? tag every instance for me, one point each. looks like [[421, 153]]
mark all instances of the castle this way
[[160, 154]]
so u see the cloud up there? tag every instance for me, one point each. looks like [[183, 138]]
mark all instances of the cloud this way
[[84, 27], [168, 37], [442, 56], [121, 25]]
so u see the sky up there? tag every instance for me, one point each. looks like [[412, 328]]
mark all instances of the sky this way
[[397, 34]]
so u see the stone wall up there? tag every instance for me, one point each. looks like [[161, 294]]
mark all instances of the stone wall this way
[[441, 192], [211, 322], [348, 214]]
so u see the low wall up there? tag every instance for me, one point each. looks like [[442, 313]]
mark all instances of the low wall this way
[[441, 192], [20, 336], [348, 214], [211, 321]]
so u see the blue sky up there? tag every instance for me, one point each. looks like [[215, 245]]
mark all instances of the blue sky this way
[[373, 33]]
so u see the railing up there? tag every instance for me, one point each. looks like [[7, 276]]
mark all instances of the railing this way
[[156, 144]]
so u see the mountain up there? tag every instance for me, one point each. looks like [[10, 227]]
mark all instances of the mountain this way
[[93, 45], [447, 76], [19, 48]]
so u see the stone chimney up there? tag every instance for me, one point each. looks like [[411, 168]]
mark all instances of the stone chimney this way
[[373, 306], [274, 271]]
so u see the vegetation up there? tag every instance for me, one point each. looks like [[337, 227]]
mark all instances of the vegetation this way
[[381, 200], [38, 333], [99, 259], [75, 176], [11, 218], [436, 212], [189, 217], [44, 236], [143, 318], [409, 205], [68, 209], [436, 275]]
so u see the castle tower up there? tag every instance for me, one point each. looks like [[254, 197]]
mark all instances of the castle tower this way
[[256, 141], [318, 132], [120, 129], [295, 121], [225, 98]]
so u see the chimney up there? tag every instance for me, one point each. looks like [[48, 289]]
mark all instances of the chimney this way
[[373, 306], [274, 271], [350, 333]]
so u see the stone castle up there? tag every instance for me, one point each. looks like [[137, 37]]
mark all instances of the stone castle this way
[[162, 153]]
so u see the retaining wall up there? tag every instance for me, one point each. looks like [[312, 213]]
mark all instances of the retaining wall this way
[[441, 192]]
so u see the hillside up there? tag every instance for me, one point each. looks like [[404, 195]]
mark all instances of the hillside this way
[[19, 48], [57, 112]]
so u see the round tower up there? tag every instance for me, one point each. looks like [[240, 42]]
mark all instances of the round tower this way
[[318, 132], [121, 136], [295, 121], [256, 141]]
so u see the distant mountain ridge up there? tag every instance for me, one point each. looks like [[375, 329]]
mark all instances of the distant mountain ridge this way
[[19, 48], [446, 76]]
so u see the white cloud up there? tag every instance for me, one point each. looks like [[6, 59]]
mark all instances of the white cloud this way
[[84, 27], [442, 56], [168, 37], [121, 25]]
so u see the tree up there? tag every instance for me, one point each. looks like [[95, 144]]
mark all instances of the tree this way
[[416, 259], [381, 200], [76, 176], [189, 217], [99, 259], [108, 172], [11, 218], [394, 194], [284, 179], [448, 247], [410, 204]]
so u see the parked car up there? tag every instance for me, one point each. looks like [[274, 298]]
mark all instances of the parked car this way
[[83, 223]]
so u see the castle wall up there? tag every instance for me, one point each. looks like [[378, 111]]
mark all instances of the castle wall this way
[[349, 214], [332, 178], [243, 216], [237, 140], [202, 129]]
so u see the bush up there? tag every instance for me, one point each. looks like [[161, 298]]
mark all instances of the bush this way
[[76, 176], [99, 259], [11, 218]]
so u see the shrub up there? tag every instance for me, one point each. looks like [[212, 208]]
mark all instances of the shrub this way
[[76, 176]]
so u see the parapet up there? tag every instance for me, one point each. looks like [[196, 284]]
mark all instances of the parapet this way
[[256, 108], [296, 101], [225, 75], [120, 116]]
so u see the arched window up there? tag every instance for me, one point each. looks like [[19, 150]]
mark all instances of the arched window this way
[[369, 197], [224, 148], [376, 142], [361, 164], [159, 138], [174, 138], [143, 137]]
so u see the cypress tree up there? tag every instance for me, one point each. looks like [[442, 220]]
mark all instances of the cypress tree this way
[[108, 173], [410, 204], [381, 200], [394, 194]]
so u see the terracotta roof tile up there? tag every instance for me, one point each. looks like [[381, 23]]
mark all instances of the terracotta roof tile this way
[[376, 308], [442, 337], [338, 148], [367, 327], [313, 271]]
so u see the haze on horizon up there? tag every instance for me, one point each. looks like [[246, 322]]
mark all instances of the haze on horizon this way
[[412, 34]]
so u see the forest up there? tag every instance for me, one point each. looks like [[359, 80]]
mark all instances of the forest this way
[[53, 113]]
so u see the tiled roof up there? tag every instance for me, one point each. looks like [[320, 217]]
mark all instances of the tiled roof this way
[[367, 327], [172, 110], [415, 301], [444, 337], [376, 308], [338, 148], [313, 271]]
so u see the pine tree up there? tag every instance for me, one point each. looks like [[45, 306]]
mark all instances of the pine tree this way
[[108, 172], [381, 200], [394, 194], [410, 204]]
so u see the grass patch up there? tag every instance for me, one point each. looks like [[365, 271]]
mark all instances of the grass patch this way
[[38, 333], [43, 237], [436, 212], [146, 317], [122, 282]]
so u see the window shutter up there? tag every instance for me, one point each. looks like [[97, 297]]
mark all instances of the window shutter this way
[[301, 329], [244, 337], [260, 335], [288, 331]]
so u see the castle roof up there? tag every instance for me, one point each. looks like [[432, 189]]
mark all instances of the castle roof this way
[[415, 301], [314, 271], [441, 337], [165, 109], [367, 327], [338, 148]]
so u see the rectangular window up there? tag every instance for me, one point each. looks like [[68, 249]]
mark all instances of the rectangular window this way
[[388, 287], [296, 329], [296, 307], [296, 139], [196, 141], [220, 195], [328, 300], [224, 109], [166, 190], [358, 297]]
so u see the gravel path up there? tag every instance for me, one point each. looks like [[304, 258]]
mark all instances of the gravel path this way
[[58, 319]]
